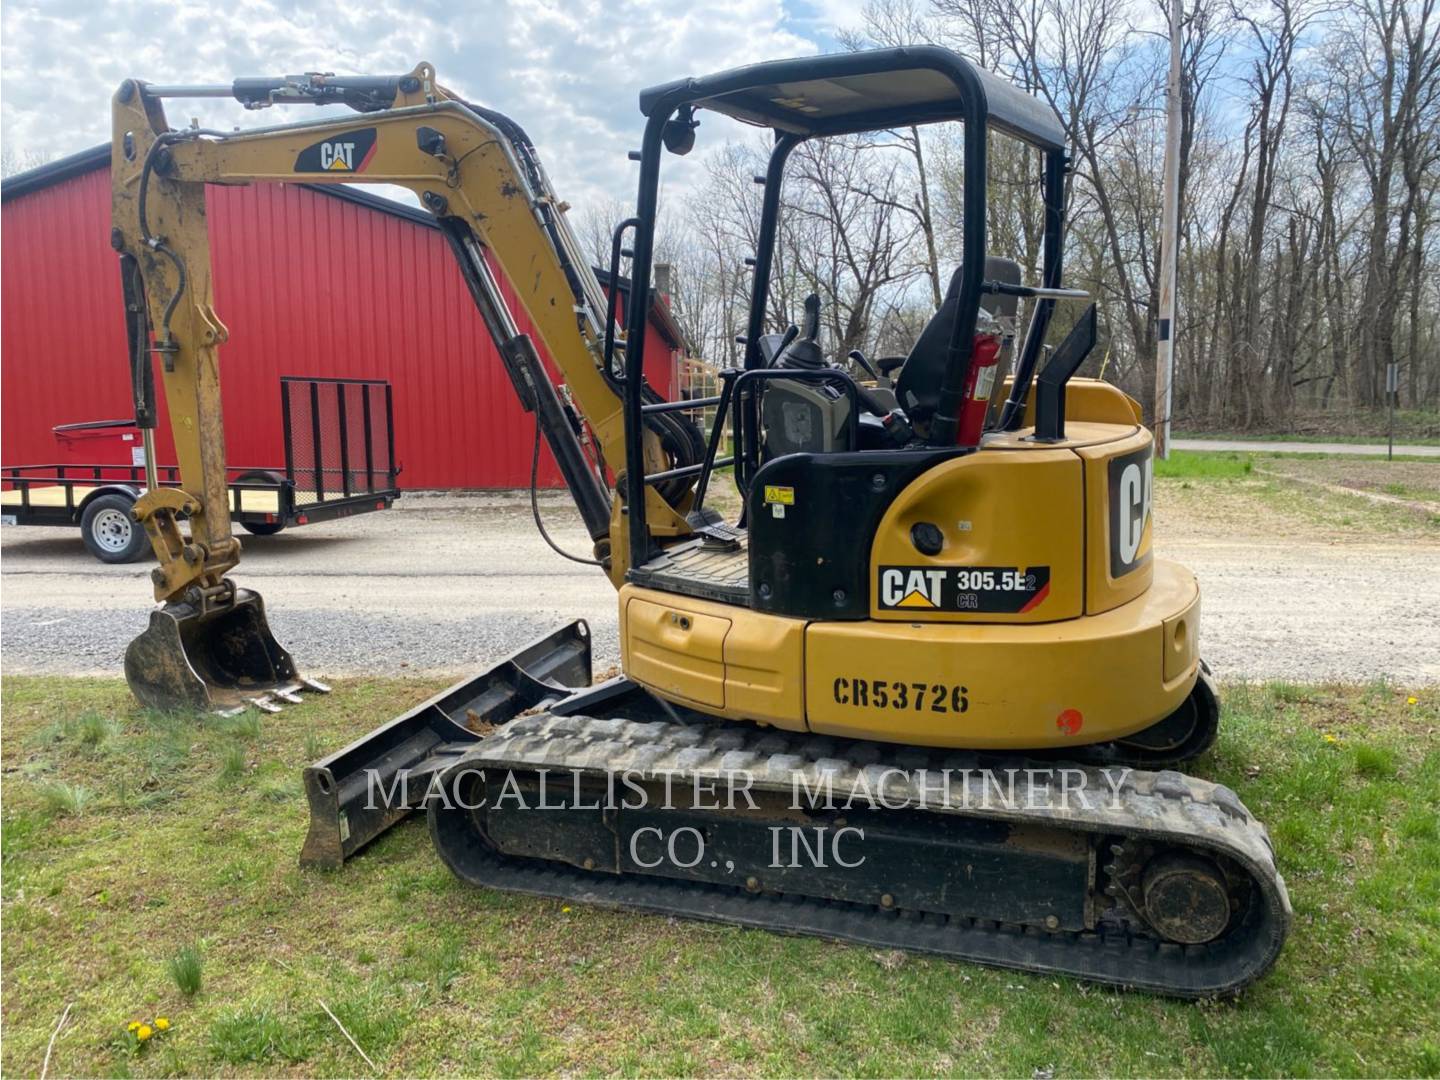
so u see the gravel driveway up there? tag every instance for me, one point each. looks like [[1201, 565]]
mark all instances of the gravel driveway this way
[[1280, 446], [449, 583]]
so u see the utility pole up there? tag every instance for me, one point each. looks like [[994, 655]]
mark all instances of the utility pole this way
[[1169, 243], [1392, 391]]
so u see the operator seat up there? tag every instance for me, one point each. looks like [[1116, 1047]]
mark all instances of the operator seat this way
[[918, 386]]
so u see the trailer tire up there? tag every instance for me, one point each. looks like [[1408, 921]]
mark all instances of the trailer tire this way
[[110, 533], [263, 476]]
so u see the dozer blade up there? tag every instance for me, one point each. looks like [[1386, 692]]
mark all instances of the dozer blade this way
[[374, 783], [222, 660]]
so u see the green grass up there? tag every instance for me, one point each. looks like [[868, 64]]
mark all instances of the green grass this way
[[187, 969], [1271, 436], [1306, 495], [62, 797], [432, 977], [1204, 465], [1418, 427]]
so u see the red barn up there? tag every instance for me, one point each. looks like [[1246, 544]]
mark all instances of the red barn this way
[[311, 280]]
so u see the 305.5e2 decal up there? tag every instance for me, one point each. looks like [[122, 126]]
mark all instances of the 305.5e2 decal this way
[[1004, 590]]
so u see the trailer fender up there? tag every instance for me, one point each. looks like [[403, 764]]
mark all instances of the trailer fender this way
[[108, 526], [128, 491]]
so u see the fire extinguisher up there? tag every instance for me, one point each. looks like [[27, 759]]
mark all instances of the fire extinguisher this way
[[984, 368]]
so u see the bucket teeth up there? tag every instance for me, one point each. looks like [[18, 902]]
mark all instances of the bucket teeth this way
[[289, 694]]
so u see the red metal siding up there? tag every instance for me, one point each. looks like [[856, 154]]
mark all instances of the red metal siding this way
[[308, 285]]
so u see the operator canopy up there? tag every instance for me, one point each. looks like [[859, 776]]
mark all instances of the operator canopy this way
[[867, 91]]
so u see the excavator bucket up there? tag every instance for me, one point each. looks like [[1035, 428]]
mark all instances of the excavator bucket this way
[[223, 660], [374, 783]]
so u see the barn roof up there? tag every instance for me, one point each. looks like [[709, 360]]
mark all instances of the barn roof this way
[[98, 157], [53, 172]]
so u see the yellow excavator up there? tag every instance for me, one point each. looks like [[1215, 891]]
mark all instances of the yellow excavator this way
[[924, 693]]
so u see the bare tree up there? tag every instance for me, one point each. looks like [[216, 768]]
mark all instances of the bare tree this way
[[14, 161]]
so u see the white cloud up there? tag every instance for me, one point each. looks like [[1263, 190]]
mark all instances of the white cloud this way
[[568, 72]]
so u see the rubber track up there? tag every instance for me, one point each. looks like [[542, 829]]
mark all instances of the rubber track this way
[[1169, 807]]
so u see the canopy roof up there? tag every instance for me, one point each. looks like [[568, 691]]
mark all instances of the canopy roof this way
[[843, 93]]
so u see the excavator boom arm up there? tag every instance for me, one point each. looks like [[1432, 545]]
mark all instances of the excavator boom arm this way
[[473, 169]]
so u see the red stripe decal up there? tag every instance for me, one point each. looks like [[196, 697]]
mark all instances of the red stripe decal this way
[[1034, 601]]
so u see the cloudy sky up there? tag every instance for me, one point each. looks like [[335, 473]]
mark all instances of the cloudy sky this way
[[567, 70]]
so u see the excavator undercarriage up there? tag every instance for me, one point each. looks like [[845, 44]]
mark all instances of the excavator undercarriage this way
[[910, 698], [534, 781]]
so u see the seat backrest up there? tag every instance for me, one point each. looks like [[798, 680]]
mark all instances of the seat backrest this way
[[918, 385]]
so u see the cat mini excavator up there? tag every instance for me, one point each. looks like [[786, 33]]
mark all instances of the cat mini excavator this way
[[942, 581]]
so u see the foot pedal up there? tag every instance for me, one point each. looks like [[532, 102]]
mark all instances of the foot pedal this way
[[720, 536], [711, 527]]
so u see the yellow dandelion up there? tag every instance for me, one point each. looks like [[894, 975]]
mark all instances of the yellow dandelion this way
[[162, 1024], [565, 911], [1412, 700], [144, 1032], [134, 1025], [1331, 739]]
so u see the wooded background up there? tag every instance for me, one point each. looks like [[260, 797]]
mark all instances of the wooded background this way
[[1310, 165]]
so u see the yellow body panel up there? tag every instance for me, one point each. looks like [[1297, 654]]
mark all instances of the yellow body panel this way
[[676, 650], [1088, 399], [1066, 524], [1005, 686], [986, 686], [1017, 510], [1070, 634], [758, 676]]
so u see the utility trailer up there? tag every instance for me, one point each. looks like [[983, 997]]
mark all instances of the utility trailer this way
[[339, 461]]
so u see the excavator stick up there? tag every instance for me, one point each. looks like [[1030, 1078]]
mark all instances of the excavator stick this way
[[223, 660], [208, 646], [374, 783]]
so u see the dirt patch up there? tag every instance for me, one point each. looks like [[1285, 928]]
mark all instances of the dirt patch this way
[[1414, 482], [1291, 508], [1301, 585]]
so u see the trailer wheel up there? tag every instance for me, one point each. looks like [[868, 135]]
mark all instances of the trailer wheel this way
[[110, 533], [261, 476]]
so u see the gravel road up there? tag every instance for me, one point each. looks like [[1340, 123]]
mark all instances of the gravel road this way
[[1262, 446], [449, 583]]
